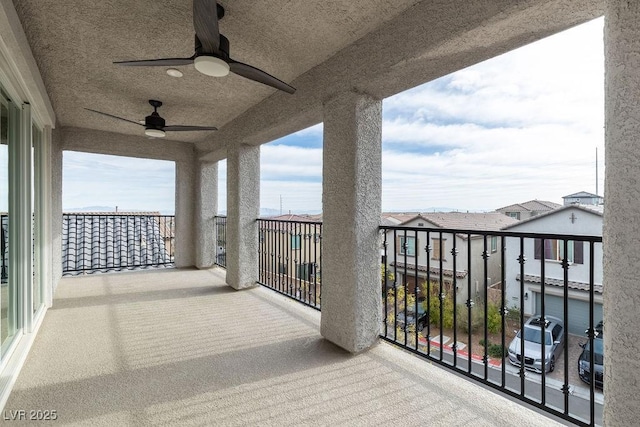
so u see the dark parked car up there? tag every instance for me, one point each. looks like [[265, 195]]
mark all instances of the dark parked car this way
[[423, 317], [536, 330], [598, 358]]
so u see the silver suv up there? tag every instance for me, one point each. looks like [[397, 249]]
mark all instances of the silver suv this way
[[537, 329]]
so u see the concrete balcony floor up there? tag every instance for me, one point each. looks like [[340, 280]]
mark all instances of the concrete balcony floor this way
[[179, 347]]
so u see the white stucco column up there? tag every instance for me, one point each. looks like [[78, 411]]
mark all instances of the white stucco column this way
[[621, 232], [243, 208], [351, 207], [206, 209], [186, 183]]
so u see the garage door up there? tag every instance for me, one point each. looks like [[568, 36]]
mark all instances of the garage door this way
[[578, 312]]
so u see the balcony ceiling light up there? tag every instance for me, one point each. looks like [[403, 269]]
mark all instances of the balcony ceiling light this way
[[174, 72], [157, 133], [211, 66]]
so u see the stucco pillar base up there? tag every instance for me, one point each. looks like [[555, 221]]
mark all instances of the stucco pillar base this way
[[621, 219], [351, 287], [243, 208]]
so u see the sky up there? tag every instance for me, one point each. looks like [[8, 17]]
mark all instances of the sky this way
[[521, 126]]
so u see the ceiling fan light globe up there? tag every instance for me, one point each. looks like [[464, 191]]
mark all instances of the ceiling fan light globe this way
[[211, 66], [156, 133]]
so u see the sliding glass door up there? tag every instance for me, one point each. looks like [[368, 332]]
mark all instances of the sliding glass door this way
[[9, 134]]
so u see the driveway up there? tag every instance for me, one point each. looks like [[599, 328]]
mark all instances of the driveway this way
[[574, 350]]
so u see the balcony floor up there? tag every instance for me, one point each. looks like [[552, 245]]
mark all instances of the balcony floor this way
[[180, 347]]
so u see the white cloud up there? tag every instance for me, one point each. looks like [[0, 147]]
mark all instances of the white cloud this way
[[130, 184], [517, 127]]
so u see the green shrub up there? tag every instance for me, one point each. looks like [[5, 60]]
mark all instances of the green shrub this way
[[496, 351], [477, 318], [494, 320], [447, 311]]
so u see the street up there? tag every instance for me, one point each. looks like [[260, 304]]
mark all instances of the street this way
[[579, 398]]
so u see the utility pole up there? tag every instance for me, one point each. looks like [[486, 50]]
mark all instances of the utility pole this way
[[597, 171]]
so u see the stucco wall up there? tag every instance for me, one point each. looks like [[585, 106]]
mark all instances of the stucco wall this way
[[584, 224]]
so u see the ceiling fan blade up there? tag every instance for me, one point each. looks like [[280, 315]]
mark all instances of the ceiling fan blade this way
[[258, 75], [205, 22], [115, 117], [165, 62], [188, 128]]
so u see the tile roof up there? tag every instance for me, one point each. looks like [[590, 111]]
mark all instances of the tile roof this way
[[530, 206], [596, 210], [434, 270], [399, 217], [581, 194], [295, 217], [115, 240], [477, 221], [530, 278]]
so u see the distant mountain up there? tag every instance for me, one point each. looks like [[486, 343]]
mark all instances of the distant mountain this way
[[263, 212], [91, 209], [113, 209]]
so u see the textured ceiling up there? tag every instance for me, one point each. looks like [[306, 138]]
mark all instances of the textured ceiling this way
[[379, 47], [76, 41]]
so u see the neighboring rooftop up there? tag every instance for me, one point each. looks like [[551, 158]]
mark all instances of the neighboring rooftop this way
[[596, 210], [530, 206], [480, 221], [581, 194], [295, 217], [583, 198]]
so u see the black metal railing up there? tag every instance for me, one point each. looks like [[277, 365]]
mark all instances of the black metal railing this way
[[116, 241], [4, 248], [462, 298], [289, 259], [221, 241]]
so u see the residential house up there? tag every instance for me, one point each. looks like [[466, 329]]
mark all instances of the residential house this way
[[421, 252], [574, 220], [528, 209], [289, 251], [583, 198]]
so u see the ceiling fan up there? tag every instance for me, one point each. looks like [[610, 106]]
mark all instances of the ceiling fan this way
[[154, 125], [211, 55]]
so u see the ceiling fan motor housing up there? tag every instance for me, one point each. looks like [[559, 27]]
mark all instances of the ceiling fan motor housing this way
[[154, 121]]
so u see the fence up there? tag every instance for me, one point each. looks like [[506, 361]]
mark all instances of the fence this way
[[289, 258], [464, 299], [107, 242]]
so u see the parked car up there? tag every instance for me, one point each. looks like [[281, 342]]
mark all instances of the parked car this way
[[598, 358], [536, 329], [423, 317]]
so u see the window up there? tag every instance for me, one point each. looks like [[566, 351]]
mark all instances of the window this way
[[407, 246], [306, 271], [295, 241], [282, 268], [515, 215], [554, 250], [494, 243], [438, 249]]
